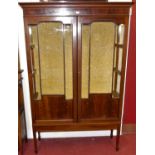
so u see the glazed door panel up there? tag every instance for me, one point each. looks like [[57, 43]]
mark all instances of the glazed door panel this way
[[99, 66], [52, 46]]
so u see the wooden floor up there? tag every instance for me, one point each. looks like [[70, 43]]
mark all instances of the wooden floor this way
[[83, 146]]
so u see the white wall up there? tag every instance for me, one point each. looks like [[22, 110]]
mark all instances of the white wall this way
[[22, 54], [23, 64]]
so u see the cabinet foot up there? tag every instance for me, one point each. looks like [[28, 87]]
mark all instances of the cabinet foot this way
[[118, 139], [39, 137], [35, 142]]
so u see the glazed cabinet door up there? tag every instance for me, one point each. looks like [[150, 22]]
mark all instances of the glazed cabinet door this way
[[101, 65], [51, 56]]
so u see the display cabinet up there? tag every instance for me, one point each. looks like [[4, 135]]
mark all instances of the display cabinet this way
[[76, 57]]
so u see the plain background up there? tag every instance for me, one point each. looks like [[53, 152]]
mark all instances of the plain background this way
[[145, 77]]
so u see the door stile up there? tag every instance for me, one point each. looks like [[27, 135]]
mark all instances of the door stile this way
[[79, 66], [75, 69]]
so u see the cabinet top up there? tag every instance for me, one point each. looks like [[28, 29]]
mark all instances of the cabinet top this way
[[73, 2], [75, 8]]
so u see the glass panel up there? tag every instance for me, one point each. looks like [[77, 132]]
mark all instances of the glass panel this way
[[121, 30], [115, 57], [114, 76], [85, 59], [101, 59], [51, 57], [35, 61], [118, 83], [120, 56], [116, 34], [68, 62]]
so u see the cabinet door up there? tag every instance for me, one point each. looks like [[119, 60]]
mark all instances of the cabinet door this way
[[51, 54], [100, 59]]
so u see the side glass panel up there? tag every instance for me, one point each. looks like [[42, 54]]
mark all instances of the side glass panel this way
[[121, 30], [35, 63], [118, 84], [118, 56]]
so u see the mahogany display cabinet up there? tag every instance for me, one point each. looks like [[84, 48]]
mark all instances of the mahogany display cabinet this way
[[76, 57]]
